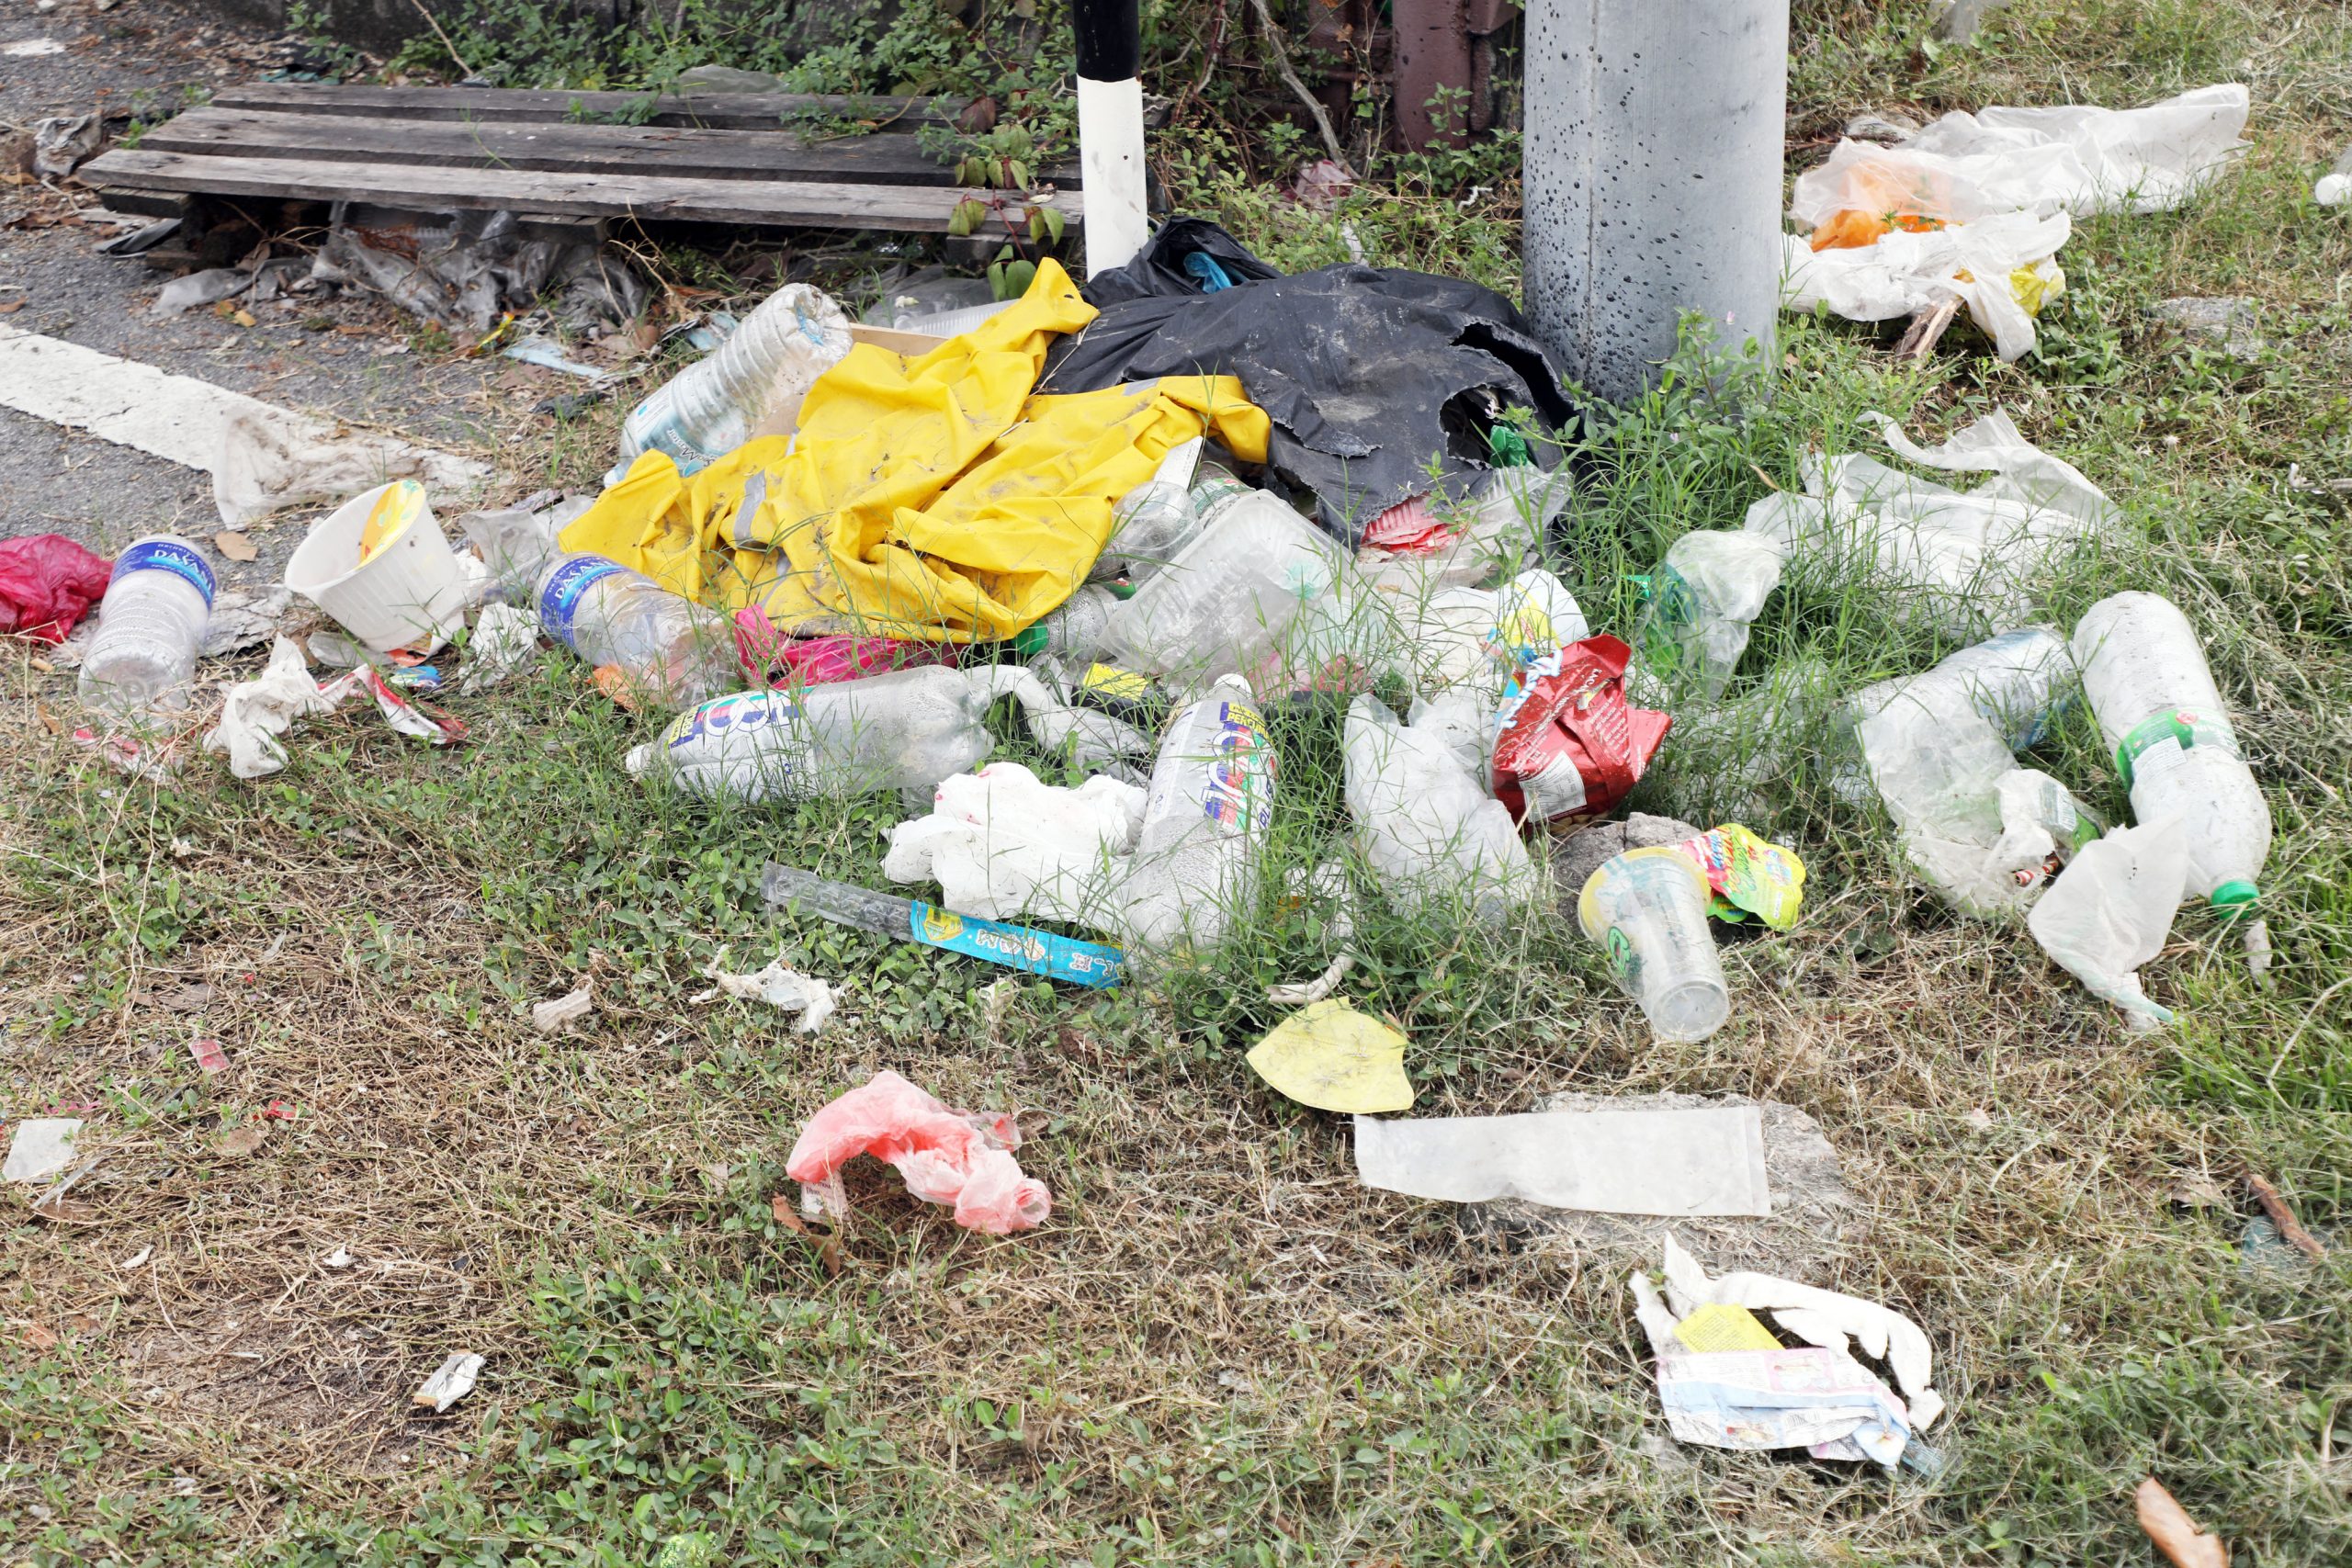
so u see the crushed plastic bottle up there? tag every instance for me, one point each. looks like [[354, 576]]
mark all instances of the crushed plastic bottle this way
[[1648, 908], [712, 406], [2145, 675], [1204, 824], [1429, 833], [150, 622], [1223, 604], [2019, 682], [668, 649], [1151, 524], [906, 730], [1078, 629], [1703, 597]]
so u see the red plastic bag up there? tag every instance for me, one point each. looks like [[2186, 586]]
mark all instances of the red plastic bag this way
[[946, 1156], [47, 583], [1574, 747]]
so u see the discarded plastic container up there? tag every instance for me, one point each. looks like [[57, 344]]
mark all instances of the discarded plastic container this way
[[670, 650], [1149, 526], [712, 406], [1702, 598], [904, 730], [2145, 673], [410, 593], [158, 599], [1427, 831], [1648, 908], [2019, 682], [1223, 602], [1077, 629], [1211, 801]]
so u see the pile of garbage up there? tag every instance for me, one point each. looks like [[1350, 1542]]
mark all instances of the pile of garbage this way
[[1149, 512]]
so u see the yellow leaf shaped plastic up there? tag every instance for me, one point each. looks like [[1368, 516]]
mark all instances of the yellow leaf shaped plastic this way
[[1332, 1057]]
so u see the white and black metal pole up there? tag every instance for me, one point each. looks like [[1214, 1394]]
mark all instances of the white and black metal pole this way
[[1110, 131], [1652, 176]]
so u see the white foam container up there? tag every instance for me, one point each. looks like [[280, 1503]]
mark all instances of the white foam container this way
[[412, 594]]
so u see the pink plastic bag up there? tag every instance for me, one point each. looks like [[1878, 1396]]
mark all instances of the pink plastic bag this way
[[778, 659], [47, 583], [945, 1157]]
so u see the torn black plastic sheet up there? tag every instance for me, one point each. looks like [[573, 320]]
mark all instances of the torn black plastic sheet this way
[[1372, 377]]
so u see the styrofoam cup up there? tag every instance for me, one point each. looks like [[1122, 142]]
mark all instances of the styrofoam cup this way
[[413, 592]]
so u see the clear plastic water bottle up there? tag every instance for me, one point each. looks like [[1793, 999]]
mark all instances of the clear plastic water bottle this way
[[1206, 817], [150, 622], [906, 730], [1702, 598], [1223, 604], [670, 650], [2144, 673], [1079, 630], [2019, 682], [711, 407], [1149, 526]]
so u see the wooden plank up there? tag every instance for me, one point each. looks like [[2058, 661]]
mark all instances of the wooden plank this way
[[561, 148], [665, 197], [726, 111]]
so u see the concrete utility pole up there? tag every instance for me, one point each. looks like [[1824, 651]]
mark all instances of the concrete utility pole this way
[[1110, 131], [1652, 178]]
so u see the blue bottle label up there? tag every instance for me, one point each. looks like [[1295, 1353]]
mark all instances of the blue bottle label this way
[[165, 555], [560, 598], [744, 712], [1017, 947]]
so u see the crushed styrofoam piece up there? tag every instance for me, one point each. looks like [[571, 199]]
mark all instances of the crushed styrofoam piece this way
[[452, 1382], [554, 1017], [42, 1146], [778, 988]]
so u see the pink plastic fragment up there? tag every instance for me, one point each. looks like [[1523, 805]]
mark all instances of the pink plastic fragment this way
[[778, 659], [951, 1156]]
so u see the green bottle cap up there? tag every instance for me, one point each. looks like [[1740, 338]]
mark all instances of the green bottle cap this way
[[2234, 895], [1032, 639]]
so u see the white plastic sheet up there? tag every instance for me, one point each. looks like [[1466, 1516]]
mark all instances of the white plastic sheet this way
[[1707, 1160], [2111, 912], [1002, 843]]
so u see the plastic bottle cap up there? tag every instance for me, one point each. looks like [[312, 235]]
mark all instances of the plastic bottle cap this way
[[2234, 895], [1032, 639]]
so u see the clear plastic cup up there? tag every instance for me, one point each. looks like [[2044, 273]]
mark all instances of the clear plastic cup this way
[[1648, 908]]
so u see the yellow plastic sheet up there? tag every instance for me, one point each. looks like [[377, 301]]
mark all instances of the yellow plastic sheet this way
[[1332, 1057], [932, 498]]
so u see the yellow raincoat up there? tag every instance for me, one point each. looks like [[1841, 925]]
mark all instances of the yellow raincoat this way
[[931, 498]]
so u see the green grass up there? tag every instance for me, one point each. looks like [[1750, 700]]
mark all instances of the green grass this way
[[1221, 1350]]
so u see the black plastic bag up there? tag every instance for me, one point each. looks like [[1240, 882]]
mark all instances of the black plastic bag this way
[[1367, 373]]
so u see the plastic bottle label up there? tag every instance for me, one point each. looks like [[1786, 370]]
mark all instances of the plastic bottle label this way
[[165, 555], [1241, 772], [560, 598], [2184, 727], [739, 713], [1017, 947], [654, 426]]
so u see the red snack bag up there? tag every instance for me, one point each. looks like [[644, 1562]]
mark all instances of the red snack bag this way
[[1574, 747]]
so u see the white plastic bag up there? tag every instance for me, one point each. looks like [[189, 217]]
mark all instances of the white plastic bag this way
[[2071, 158], [1429, 831], [1002, 844], [1964, 558], [2001, 267], [2111, 910]]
